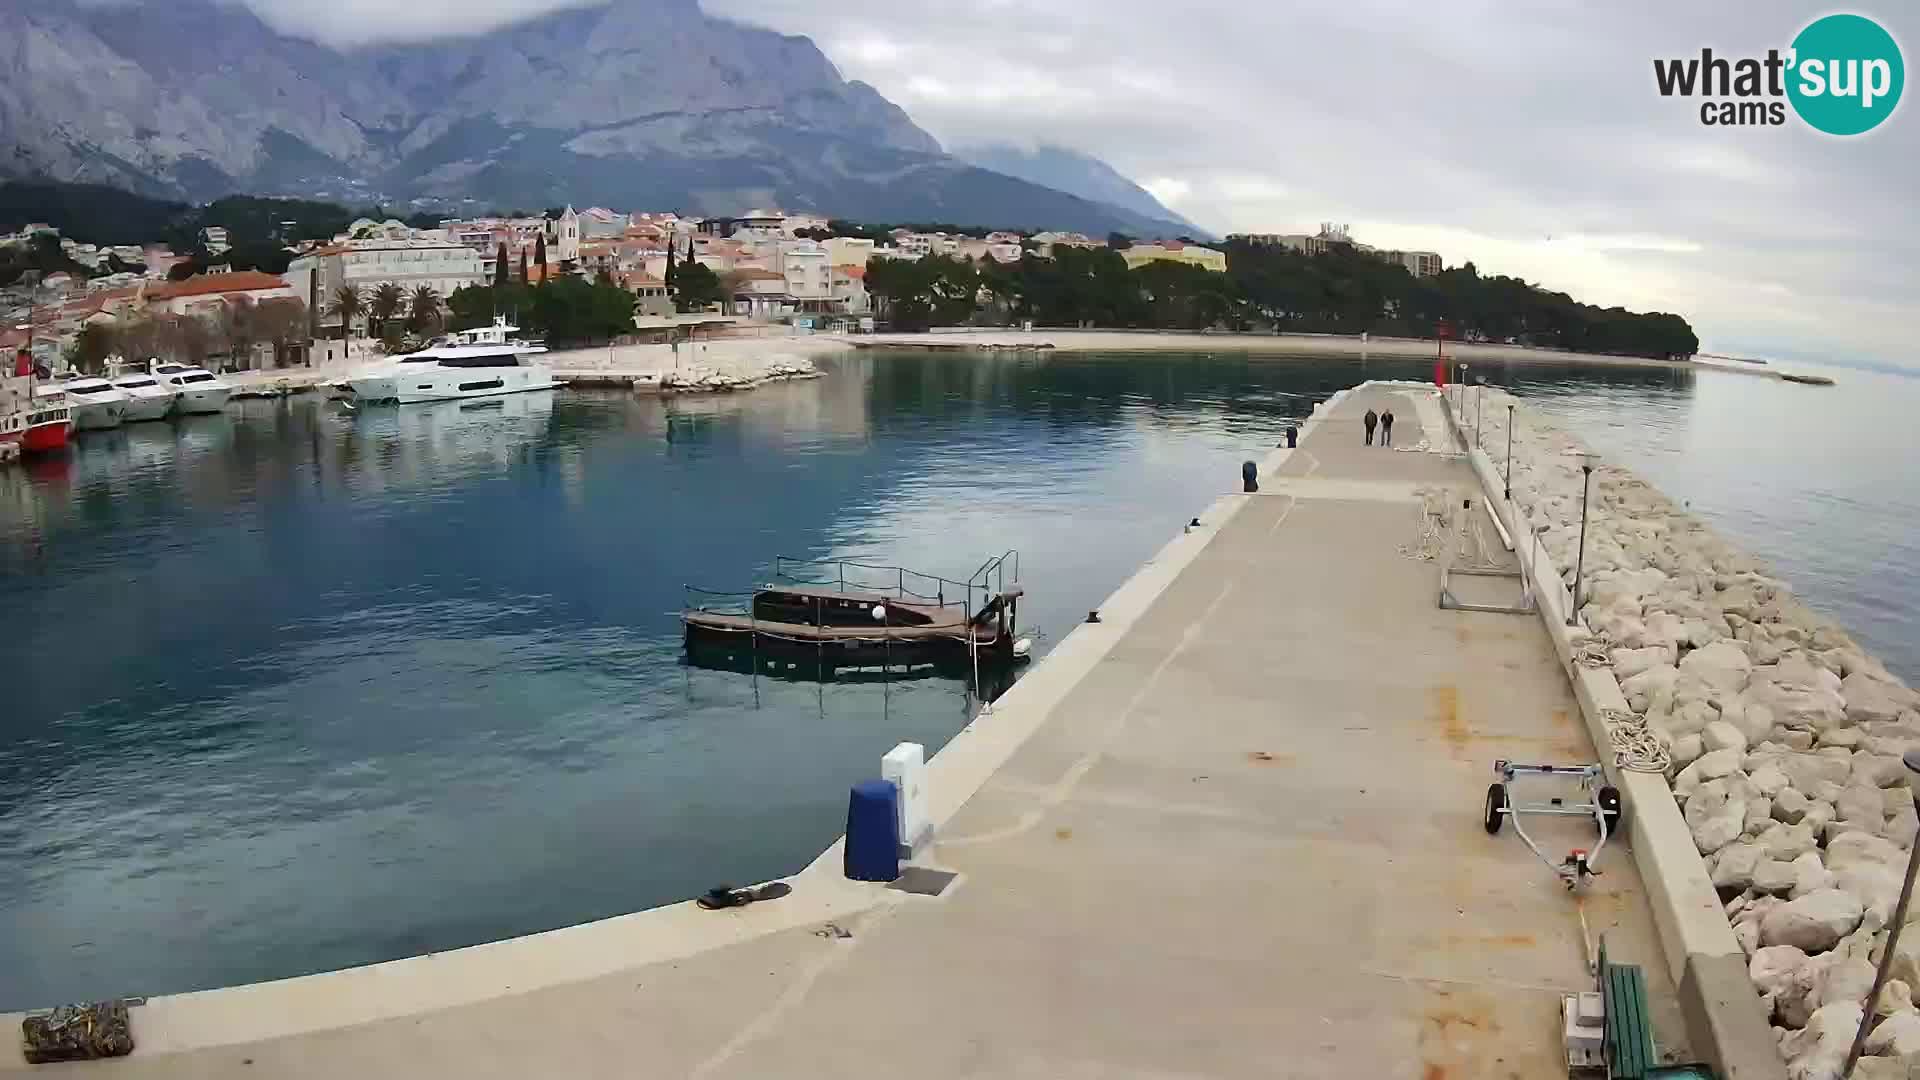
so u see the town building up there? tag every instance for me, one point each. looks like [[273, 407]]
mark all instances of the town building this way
[[215, 239], [204, 294], [1175, 251], [442, 265], [803, 264], [849, 250], [1045, 242], [651, 300], [848, 286]]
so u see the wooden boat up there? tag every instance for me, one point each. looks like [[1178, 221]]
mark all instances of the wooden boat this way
[[857, 623]]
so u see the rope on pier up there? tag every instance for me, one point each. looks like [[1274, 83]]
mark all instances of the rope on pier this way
[[1444, 525], [1635, 748]]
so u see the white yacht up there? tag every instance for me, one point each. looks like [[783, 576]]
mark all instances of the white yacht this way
[[146, 398], [483, 362], [200, 390], [96, 403]]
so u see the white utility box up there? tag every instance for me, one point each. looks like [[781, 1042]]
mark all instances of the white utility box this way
[[906, 766]]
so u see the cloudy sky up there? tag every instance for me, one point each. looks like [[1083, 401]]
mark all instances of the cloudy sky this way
[[1525, 135]]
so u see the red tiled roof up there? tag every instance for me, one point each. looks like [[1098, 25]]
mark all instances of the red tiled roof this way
[[754, 273], [851, 270], [210, 284]]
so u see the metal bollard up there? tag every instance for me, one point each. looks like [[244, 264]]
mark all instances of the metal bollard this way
[[1249, 476]]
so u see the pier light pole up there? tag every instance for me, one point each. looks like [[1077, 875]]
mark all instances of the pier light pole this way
[[1509, 481], [1911, 759], [1587, 461], [1479, 407]]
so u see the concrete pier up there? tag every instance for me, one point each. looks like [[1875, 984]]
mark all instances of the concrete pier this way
[[1233, 829]]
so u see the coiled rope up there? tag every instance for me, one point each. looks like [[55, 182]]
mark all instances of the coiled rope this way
[[1635, 748]]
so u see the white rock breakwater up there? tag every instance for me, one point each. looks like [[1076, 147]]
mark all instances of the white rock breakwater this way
[[1785, 738]]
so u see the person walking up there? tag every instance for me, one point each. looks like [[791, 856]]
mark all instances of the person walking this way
[[1386, 428], [1370, 420]]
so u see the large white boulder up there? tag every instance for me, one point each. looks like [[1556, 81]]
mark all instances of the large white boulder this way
[[1810, 875], [1868, 700], [1897, 1036], [1813, 923], [1819, 1050], [1630, 662], [1734, 866], [1786, 842], [1641, 689], [1723, 665], [1720, 735]]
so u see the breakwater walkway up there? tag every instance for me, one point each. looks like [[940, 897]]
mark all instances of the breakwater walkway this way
[[1232, 829]]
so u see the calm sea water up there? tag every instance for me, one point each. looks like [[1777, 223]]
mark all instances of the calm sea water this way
[[289, 690]]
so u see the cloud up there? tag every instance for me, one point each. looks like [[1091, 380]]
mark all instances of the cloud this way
[[347, 23], [1525, 135]]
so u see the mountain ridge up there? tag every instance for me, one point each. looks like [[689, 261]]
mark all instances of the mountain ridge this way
[[1077, 173], [642, 103]]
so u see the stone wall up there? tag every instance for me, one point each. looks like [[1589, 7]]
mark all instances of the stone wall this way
[[1784, 733]]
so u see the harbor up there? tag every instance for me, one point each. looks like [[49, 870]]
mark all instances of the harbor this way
[[1268, 692], [1277, 690]]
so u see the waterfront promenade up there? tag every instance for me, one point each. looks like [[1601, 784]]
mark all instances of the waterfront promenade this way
[[1233, 829]]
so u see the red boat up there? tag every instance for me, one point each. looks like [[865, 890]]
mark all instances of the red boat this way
[[49, 421]]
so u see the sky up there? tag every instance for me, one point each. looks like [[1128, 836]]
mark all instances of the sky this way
[[1526, 136]]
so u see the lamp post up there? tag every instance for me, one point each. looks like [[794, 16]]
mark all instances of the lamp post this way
[[1479, 406], [1580, 561], [1509, 480], [1911, 759]]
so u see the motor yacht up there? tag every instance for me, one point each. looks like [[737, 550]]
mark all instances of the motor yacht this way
[[146, 398], [199, 390], [483, 362], [95, 403]]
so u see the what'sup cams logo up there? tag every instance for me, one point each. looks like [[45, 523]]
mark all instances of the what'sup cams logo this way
[[1842, 75]]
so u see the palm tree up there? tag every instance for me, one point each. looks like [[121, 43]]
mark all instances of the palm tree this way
[[423, 310], [348, 305], [387, 302]]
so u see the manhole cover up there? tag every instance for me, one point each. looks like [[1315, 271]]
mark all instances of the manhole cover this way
[[923, 881]]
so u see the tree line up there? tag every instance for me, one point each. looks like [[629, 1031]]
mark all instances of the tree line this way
[[234, 333], [1265, 288]]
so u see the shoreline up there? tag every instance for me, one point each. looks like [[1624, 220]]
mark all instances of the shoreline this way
[[1068, 340]]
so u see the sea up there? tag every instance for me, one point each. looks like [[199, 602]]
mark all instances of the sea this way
[[297, 688]]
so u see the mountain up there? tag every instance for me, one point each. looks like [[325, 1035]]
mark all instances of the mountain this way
[[1075, 173], [638, 103]]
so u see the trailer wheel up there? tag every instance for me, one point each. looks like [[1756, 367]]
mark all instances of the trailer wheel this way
[[1609, 803], [1496, 802]]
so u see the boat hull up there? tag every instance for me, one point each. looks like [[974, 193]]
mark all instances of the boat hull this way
[[46, 436], [412, 388], [141, 408], [210, 400], [99, 415]]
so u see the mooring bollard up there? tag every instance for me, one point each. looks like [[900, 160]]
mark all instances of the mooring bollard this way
[[1250, 476], [1293, 435]]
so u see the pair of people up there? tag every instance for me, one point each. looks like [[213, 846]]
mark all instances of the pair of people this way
[[1384, 421]]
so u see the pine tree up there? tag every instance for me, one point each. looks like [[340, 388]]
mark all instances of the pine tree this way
[[524, 279], [540, 254], [671, 252], [500, 266]]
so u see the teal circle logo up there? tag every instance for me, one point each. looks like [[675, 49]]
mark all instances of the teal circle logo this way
[[1846, 76]]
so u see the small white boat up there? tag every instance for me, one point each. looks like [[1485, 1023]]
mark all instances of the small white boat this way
[[199, 390], [478, 363], [146, 398], [96, 403]]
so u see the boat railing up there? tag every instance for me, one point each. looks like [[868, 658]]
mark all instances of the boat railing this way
[[906, 584]]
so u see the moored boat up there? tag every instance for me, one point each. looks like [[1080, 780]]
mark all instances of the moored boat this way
[[483, 362], [975, 619], [198, 390], [146, 398], [49, 423], [95, 402]]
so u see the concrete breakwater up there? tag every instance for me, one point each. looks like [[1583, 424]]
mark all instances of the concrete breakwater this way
[[1782, 737]]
